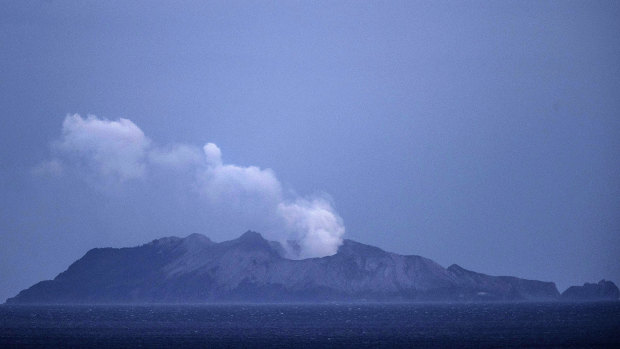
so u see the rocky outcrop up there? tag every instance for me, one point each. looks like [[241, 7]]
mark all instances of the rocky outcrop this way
[[251, 269], [603, 290]]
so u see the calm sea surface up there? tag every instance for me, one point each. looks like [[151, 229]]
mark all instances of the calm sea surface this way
[[337, 325]]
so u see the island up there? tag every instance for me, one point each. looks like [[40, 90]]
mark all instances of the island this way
[[250, 268]]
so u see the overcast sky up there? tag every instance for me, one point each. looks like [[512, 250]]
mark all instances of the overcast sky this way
[[485, 134]]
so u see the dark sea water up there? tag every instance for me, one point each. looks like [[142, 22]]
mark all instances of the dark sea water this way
[[297, 326]]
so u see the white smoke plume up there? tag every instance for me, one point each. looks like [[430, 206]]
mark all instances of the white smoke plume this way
[[321, 228], [111, 148], [118, 151]]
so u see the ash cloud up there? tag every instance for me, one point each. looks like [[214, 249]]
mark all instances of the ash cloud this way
[[117, 152]]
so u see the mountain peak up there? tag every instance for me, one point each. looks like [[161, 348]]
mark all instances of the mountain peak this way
[[251, 235], [252, 241], [455, 268], [198, 239]]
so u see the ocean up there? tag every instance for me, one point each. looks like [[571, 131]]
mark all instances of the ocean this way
[[305, 326]]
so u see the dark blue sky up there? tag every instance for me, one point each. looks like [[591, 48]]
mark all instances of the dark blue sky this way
[[480, 133]]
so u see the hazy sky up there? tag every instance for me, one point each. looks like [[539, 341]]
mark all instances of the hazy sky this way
[[485, 134]]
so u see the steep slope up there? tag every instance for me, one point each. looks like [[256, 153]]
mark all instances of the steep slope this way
[[195, 269]]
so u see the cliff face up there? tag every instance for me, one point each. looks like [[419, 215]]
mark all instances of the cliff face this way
[[195, 270], [603, 290], [503, 287]]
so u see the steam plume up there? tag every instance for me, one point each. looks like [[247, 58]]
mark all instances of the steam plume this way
[[118, 151]]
